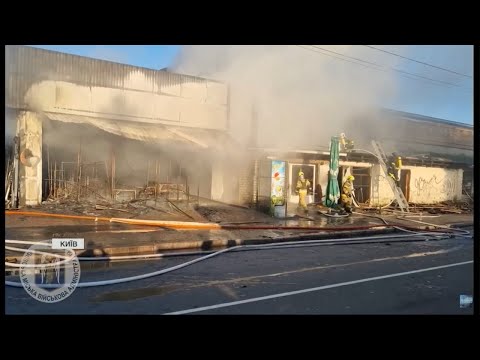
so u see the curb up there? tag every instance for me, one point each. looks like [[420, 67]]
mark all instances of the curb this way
[[320, 236], [206, 245]]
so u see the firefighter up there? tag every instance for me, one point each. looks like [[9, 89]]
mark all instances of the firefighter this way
[[347, 144], [347, 193], [395, 167], [302, 188]]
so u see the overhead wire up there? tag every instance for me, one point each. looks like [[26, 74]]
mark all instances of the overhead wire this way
[[374, 66], [417, 61]]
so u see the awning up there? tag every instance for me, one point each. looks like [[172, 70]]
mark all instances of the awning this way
[[207, 139]]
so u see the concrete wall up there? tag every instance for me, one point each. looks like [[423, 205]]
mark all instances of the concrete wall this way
[[29, 129], [427, 185], [380, 191], [185, 104], [432, 185], [246, 185], [264, 184]]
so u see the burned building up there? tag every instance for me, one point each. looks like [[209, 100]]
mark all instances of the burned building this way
[[437, 163], [94, 128], [90, 127]]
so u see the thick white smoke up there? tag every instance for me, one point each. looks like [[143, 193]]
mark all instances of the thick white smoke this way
[[301, 97]]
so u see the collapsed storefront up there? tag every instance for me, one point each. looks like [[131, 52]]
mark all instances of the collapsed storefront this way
[[86, 126], [114, 160]]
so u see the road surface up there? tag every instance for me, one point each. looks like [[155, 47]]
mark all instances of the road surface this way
[[388, 278]]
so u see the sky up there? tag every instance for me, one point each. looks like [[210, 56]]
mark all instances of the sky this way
[[418, 96]]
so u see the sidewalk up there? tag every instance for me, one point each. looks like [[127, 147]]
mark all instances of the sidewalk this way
[[114, 239]]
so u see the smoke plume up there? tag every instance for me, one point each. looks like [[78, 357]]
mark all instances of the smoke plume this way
[[301, 97]]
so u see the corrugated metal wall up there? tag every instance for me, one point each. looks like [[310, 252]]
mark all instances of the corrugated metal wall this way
[[25, 66]]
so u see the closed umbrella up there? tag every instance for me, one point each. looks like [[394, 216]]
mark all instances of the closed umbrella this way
[[333, 190]]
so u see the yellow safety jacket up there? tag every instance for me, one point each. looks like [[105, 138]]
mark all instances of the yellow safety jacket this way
[[347, 188], [303, 185]]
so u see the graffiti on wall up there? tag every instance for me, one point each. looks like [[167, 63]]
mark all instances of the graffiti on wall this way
[[445, 186], [449, 187]]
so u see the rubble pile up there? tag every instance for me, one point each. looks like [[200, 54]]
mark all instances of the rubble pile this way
[[445, 207], [142, 206], [225, 213]]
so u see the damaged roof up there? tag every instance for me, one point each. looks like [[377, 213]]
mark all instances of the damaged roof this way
[[418, 117], [207, 139]]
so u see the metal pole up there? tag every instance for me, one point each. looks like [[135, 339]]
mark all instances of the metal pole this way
[[52, 176], [168, 177], [286, 190], [16, 165], [93, 180], [255, 183], [178, 183], [156, 179], [105, 163], [55, 181], [79, 174], [113, 173], [62, 171], [48, 170]]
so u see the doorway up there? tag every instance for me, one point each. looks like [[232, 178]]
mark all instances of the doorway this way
[[405, 183], [309, 173], [362, 183]]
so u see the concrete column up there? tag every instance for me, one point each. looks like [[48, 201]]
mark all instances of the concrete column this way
[[29, 130]]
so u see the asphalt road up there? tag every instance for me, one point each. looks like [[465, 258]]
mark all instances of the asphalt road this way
[[307, 280]]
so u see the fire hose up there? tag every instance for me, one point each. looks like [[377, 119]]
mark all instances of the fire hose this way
[[415, 231], [234, 248]]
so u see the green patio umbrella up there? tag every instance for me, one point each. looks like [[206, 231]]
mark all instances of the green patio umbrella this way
[[333, 190]]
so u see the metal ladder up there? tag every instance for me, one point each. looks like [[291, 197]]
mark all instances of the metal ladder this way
[[397, 191]]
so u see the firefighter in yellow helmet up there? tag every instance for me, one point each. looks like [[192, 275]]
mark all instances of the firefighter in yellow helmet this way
[[303, 185], [347, 193], [347, 144], [395, 167]]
